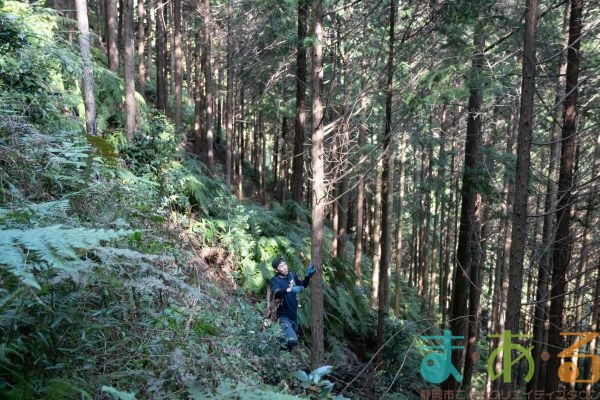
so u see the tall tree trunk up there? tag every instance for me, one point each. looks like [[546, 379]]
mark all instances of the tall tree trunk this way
[[336, 158], [130, 105], [594, 317], [229, 108], [360, 189], [207, 69], [448, 242], [318, 188], [435, 241], [188, 56], [420, 262], [544, 259], [299, 122], [343, 196], [284, 186], [169, 54], [376, 247], [595, 307], [386, 193], [149, 24], [414, 242], [440, 198], [254, 150], [141, 47], [519, 218], [178, 70], [424, 259], [476, 278], [477, 282], [218, 103], [469, 223], [88, 74], [240, 172], [161, 70], [280, 165], [398, 293], [262, 190], [197, 100], [121, 25], [100, 28], [112, 32], [504, 241], [562, 244]]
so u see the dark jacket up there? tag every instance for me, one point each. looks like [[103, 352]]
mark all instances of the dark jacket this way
[[289, 304]]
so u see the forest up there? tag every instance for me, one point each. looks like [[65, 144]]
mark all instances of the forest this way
[[430, 168]]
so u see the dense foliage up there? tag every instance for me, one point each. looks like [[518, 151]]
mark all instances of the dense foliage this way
[[126, 271]]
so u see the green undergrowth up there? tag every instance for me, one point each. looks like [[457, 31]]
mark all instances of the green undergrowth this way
[[126, 271]]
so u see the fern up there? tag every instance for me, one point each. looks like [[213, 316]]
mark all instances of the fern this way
[[229, 391], [25, 251], [255, 275], [292, 211], [30, 212]]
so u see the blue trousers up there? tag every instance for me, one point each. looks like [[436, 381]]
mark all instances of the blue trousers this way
[[289, 328]]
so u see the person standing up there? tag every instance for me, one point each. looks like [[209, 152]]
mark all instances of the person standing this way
[[285, 286]]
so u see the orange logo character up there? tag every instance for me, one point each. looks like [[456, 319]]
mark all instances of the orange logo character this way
[[569, 371]]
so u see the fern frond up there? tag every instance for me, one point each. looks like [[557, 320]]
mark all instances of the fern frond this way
[[292, 211], [25, 251]]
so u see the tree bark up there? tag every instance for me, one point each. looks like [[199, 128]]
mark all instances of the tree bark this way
[[318, 188], [469, 222], [450, 232], [299, 122], [360, 189], [178, 70], [594, 317], [88, 73], [343, 196], [443, 231], [207, 69], [595, 307], [262, 190], [562, 245], [112, 32], [229, 107], [501, 287], [280, 163], [161, 70], [141, 47], [519, 217], [544, 258], [475, 308], [149, 24], [376, 242], [424, 259], [130, 104], [398, 293], [100, 28], [121, 25], [240, 172], [386, 193], [197, 100]]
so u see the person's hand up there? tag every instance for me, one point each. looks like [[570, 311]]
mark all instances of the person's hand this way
[[311, 270], [297, 289]]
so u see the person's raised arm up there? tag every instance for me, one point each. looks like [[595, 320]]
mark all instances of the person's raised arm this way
[[309, 273]]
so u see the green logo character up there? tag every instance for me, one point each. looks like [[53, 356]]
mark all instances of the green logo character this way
[[507, 361]]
